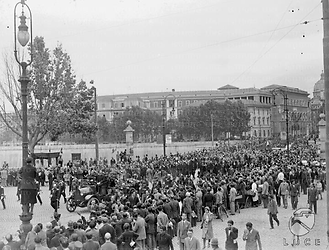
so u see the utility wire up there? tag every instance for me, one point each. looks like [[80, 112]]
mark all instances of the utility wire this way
[[141, 20], [294, 26], [202, 47], [276, 27]]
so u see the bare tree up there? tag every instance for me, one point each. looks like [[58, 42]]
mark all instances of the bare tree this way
[[56, 104]]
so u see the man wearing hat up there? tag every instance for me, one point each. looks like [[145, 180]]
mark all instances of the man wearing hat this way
[[38, 245], [272, 211], [108, 245], [214, 244], [75, 244], [55, 222], [54, 242], [28, 187], [187, 206], [90, 244], [106, 228]]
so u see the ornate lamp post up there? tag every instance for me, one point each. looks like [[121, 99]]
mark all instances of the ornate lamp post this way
[[23, 37]]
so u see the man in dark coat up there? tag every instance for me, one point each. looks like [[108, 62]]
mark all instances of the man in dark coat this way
[[312, 198], [231, 236], [175, 211], [54, 198], [164, 241], [208, 199], [150, 221], [90, 244], [125, 219], [167, 209], [294, 194], [107, 228], [28, 187], [55, 241]]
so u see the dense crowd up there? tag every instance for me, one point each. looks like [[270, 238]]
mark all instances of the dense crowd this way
[[148, 201]]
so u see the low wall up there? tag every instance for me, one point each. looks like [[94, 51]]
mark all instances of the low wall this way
[[13, 154]]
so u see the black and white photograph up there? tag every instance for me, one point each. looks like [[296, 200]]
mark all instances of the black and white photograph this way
[[164, 124]]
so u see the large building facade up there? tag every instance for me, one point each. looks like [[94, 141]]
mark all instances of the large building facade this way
[[265, 105]]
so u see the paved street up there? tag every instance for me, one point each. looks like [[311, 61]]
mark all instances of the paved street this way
[[272, 239]]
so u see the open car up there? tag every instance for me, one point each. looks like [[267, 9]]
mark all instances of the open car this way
[[87, 193]]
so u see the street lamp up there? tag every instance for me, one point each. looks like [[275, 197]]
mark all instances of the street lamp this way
[[164, 118], [95, 114], [285, 107], [22, 36]]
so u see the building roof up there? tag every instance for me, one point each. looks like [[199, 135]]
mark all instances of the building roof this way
[[285, 88], [225, 92], [319, 85], [227, 86]]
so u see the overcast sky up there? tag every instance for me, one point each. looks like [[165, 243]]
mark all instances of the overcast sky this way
[[129, 46]]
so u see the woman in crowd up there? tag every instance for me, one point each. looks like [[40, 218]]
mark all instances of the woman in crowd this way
[[206, 225]]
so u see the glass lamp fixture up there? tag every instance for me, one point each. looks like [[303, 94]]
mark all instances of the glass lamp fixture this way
[[23, 35]]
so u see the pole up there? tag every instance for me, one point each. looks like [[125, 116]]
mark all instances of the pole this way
[[164, 127], [325, 10], [24, 80], [212, 130], [96, 134], [285, 102]]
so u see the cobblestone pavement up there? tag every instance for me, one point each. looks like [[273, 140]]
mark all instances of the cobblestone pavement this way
[[279, 238]]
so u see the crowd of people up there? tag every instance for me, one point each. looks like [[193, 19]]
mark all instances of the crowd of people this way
[[151, 200]]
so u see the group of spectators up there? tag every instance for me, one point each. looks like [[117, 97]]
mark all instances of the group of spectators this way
[[151, 200]]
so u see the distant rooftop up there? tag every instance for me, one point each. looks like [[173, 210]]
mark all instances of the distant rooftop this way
[[227, 87]]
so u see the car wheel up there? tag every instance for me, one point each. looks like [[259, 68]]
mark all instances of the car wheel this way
[[71, 205]]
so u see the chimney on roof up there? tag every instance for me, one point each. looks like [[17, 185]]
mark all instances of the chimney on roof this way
[[173, 90]]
